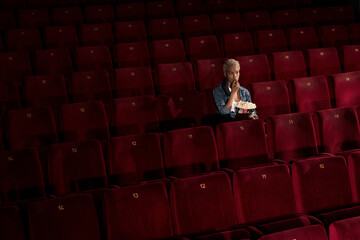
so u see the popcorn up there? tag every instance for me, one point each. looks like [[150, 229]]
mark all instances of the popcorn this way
[[245, 105]]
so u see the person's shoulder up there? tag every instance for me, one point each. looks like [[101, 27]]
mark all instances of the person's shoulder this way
[[243, 89], [218, 89]]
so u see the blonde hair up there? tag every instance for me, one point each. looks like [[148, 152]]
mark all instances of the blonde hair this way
[[229, 63]]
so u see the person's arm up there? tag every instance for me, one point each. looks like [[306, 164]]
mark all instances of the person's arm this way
[[234, 90], [219, 98]]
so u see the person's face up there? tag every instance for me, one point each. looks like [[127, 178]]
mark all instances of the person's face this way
[[233, 73]]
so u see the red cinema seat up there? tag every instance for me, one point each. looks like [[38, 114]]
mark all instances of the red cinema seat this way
[[86, 120], [291, 136], [22, 176], [345, 87], [237, 44], [134, 54], [354, 33], [130, 31], [71, 15], [287, 18], [135, 158], [128, 11], [219, 6], [76, 166], [257, 20], [241, 144], [167, 51], [73, 216], [32, 127], [323, 61], [342, 14], [190, 151], [288, 65], [96, 34], [302, 38], [189, 7], [11, 226], [353, 161], [227, 23], [135, 115], [9, 95], [133, 81], [305, 233], [311, 94], [163, 29], [271, 98], [15, 65], [194, 26], [7, 19], [269, 41], [315, 16], [254, 68], [160, 9], [23, 39], [33, 18], [91, 86], [333, 36], [61, 37], [351, 58], [93, 58], [209, 73], [204, 47], [99, 13]]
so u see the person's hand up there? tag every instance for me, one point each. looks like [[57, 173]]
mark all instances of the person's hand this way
[[252, 116], [235, 85]]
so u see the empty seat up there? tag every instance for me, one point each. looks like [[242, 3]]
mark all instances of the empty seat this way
[[189, 7], [15, 65], [193, 26], [353, 161], [91, 86], [268, 41], [11, 226], [61, 37], [316, 232], [311, 94], [135, 158], [76, 166], [135, 81], [216, 6], [167, 51], [73, 216], [286, 18], [130, 31], [345, 87], [254, 68], [351, 58], [31, 127], [241, 144], [323, 61], [337, 130], [71, 15], [302, 38], [99, 13], [160, 9], [227, 23], [135, 115], [288, 65], [209, 73], [315, 16], [86, 120], [354, 33], [204, 47], [130, 11], [174, 78], [291, 136], [190, 201], [33, 18], [333, 36], [342, 14], [22, 177], [93, 58], [96, 34], [9, 95], [7, 19], [126, 207], [258, 20], [132, 54], [45, 91], [271, 98], [165, 28], [23, 39], [190, 151], [237, 44]]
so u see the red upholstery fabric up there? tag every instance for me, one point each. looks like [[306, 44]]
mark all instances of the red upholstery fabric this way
[[342, 14], [269, 41], [202, 204], [241, 144], [254, 68], [189, 7], [135, 115], [9, 95], [96, 34], [311, 94], [45, 91], [190, 151], [315, 16], [353, 161], [240, 233], [31, 127], [351, 58], [215, 6], [130, 11], [160, 9], [91, 86], [289, 65], [22, 177], [345, 229], [76, 166], [167, 51], [134, 54], [258, 20], [134, 81], [7, 19], [93, 58], [354, 33], [33, 18], [302, 38], [138, 212], [333, 35], [193, 26], [23, 39], [11, 226], [203, 47], [135, 158], [163, 29], [226, 22], [316, 232], [209, 73], [323, 61], [62, 36], [67, 16], [174, 78], [71, 217], [291, 136], [345, 86], [286, 18], [86, 120], [271, 98], [237, 44], [130, 31], [337, 130], [99, 13]]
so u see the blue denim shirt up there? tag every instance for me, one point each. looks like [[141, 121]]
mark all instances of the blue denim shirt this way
[[221, 95]]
